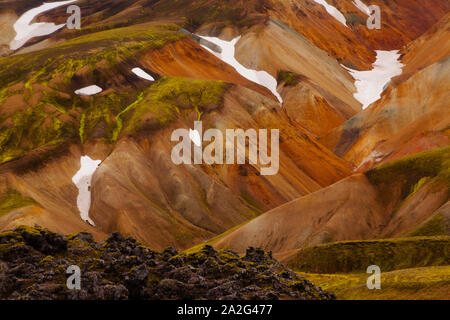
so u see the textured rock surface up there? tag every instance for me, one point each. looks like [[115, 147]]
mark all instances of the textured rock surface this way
[[33, 264]]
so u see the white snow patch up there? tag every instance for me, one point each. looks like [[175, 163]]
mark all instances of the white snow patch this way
[[228, 50], [89, 91], [194, 135], [333, 11], [82, 179], [362, 6], [142, 74], [25, 31], [371, 84]]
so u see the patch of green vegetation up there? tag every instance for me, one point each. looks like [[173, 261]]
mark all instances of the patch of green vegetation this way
[[55, 120], [3, 95], [153, 280], [411, 170], [60, 103], [290, 79], [227, 256], [131, 38], [428, 283], [98, 119], [354, 19], [171, 97], [12, 200], [81, 129], [389, 254], [420, 184], [70, 56], [119, 127], [26, 231], [10, 236], [52, 115], [47, 259], [436, 226], [428, 163], [33, 128], [75, 33]]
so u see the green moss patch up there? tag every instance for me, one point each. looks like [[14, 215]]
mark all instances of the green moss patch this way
[[354, 19], [435, 226], [424, 164], [173, 97], [290, 79], [32, 128], [428, 283], [356, 256], [412, 172], [12, 200]]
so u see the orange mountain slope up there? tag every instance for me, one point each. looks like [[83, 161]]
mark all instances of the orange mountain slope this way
[[412, 114], [391, 201]]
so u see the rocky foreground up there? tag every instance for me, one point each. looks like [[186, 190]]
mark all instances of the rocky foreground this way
[[33, 264]]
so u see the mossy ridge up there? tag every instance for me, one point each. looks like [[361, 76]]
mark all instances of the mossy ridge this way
[[390, 254], [101, 111], [33, 128], [427, 283], [435, 226], [89, 49], [428, 163], [409, 171], [119, 120], [12, 200], [420, 184], [55, 120], [173, 97]]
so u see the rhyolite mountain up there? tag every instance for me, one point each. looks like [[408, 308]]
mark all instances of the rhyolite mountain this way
[[345, 173]]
